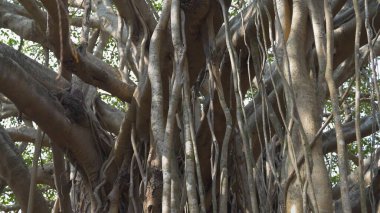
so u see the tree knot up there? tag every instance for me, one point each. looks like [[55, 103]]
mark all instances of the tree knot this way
[[74, 106]]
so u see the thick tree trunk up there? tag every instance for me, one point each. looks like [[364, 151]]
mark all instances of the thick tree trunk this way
[[184, 77]]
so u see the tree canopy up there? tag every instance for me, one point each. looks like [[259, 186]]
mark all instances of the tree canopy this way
[[189, 106]]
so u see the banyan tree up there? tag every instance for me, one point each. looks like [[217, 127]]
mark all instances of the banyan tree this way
[[190, 105]]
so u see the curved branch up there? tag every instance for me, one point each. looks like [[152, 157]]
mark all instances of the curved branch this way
[[5, 208], [77, 22], [345, 34], [17, 176], [45, 175], [26, 134], [126, 11], [94, 71], [39, 72], [13, 8], [32, 7], [372, 182], [12, 17], [110, 117], [368, 125], [7, 110], [89, 68], [37, 103]]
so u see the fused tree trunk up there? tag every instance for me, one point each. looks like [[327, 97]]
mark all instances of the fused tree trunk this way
[[224, 105]]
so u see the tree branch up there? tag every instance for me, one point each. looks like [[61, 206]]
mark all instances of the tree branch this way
[[9, 208], [17, 176], [34, 10], [372, 183], [109, 117], [368, 125], [26, 134], [15, 18], [89, 68], [43, 108]]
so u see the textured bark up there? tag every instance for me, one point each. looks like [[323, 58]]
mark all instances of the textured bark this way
[[184, 77], [17, 176]]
